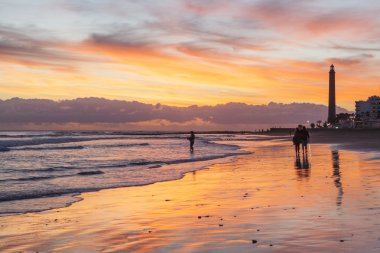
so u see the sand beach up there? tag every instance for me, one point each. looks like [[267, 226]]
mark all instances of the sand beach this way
[[266, 201]]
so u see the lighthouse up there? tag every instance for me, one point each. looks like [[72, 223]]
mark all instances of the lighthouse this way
[[332, 110]]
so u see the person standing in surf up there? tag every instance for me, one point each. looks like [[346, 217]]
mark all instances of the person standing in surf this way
[[191, 140]]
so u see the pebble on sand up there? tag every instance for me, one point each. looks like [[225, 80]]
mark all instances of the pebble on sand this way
[[254, 241], [220, 225]]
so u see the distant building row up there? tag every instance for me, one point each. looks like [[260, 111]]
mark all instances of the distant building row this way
[[367, 113]]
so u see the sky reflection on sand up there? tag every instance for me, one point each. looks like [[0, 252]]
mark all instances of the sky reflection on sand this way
[[331, 203]]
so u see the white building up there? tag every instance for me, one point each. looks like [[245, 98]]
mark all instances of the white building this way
[[367, 113]]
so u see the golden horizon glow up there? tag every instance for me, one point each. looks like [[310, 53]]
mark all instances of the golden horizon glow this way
[[207, 54]]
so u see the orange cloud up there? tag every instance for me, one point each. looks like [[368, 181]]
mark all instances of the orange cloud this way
[[203, 53]]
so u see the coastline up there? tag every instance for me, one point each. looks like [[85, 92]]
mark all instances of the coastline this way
[[260, 196], [126, 162], [74, 197]]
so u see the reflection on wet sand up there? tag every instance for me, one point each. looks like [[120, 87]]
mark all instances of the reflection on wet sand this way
[[337, 176], [302, 166], [221, 209]]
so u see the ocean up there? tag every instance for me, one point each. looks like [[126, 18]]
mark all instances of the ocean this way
[[47, 169]]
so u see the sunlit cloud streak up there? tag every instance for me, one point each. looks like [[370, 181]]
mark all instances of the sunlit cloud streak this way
[[189, 52]]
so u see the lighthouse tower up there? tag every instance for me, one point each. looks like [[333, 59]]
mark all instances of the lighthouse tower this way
[[332, 110]]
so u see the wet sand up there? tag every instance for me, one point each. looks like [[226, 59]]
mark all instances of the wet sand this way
[[267, 201], [353, 139]]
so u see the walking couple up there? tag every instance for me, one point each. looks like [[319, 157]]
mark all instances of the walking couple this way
[[301, 137]]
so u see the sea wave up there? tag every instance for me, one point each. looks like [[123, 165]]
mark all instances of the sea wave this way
[[37, 178], [88, 173], [51, 148], [87, 161], [33, 178], [56, 192], [4, 149], [33, 148], [39, 141]]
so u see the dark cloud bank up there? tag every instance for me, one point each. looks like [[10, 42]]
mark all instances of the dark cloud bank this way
[[17, 113]]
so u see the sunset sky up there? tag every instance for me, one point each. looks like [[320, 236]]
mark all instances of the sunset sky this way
[[179, 52]]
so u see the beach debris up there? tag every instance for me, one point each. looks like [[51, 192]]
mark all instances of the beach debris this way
[[150, 231], [204, 216], [271, 245], [254, 241], [258, 230], [220, 225], [341, 240], [168, 200]]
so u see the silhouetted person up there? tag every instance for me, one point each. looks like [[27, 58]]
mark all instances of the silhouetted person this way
[[297, 139], [191, 140], [304, 139]]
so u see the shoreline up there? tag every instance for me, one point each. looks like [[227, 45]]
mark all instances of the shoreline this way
[[261, 196], [74, 197], [322, 136], [221, 208]]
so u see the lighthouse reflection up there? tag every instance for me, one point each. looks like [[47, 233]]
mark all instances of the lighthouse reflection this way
[[337, 176]]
